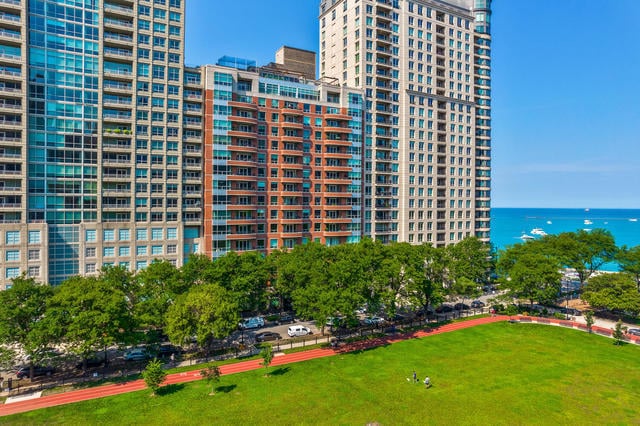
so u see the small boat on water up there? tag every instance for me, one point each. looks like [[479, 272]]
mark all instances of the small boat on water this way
[[633, 219], [549, 222], [538, 231], [588, 222]]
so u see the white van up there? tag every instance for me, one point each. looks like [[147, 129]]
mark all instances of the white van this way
[[298, 330]]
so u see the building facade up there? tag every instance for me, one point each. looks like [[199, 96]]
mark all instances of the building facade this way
[[282, 159], [98, 137], [424, 67]]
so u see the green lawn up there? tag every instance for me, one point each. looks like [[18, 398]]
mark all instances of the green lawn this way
[[493, 374]]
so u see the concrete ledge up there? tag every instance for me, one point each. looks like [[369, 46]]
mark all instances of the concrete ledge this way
[[20, 398]]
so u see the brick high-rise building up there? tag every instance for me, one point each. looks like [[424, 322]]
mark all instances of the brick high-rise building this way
[[282, 158]]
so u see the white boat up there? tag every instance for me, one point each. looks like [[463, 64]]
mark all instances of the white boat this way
[[525, 237], [549, 222], [588, 222], [587, 229], [633, 220], [538, 231]]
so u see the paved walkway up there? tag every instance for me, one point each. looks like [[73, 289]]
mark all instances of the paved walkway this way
[[115, 389]]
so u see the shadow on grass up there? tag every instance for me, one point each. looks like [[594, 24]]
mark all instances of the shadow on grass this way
[[170, 389], [280, 371], [225, 389]]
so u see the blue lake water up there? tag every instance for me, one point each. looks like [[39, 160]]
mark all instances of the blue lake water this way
[[508, 224]]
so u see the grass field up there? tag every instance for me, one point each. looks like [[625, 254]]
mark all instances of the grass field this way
[[492, 374]]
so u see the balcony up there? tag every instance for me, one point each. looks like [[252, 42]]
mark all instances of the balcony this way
[[118, 10], [13, 4], [120, 39], [114, 52], [126, 74], [117, 23]]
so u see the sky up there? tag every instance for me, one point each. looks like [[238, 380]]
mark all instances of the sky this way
[[565, 87]]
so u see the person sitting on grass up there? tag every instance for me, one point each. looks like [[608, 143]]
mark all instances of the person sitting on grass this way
[[427, 382]]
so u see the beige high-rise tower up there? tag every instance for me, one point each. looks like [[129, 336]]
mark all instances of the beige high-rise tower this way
[[424, 66]]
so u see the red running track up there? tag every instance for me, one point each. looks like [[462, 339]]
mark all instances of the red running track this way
[[116, 389]]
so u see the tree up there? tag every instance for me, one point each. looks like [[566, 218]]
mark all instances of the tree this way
[[267, 356], [583, 251], [212, 375], [613, 291], [245, 276], [160, 284], [22, 309], [588, 317], [197, 270], [90, 314], [429, 284], [534, 276], [206, 311], [154, 375], [629, 261], [618, 333]]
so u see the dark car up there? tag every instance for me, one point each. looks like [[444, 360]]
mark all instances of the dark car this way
[[285, 318], [477, 304], [165, 351], [400, 318], [267, 336], [91, 363], [634, 331], [444, 309], [460, 306], [38, 370]]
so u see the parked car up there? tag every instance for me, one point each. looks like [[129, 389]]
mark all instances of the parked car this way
[[460, 306], [373, 321], [136, 354], [165, 351], [254, 322], [91, 363], [444, 309], [285, 318], [38, 370], [400, 318], [266, 336], [334, 322], [477, 304], [634, 331], [298, 330]]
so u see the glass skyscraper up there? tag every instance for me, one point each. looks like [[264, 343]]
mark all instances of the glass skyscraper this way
[[92, 139]]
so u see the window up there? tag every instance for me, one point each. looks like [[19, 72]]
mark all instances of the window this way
[[141, 234], [12, 237], [124, 235], [34, 254], [12, 255], [141, 264], [124, 251], [12, 272], [172, 249], [156, 250], [109, 251], [90, 268], [90, 252], [172, 233], [34, 237], [109, 235], [157, 234], [141, 250], [34, 271]]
